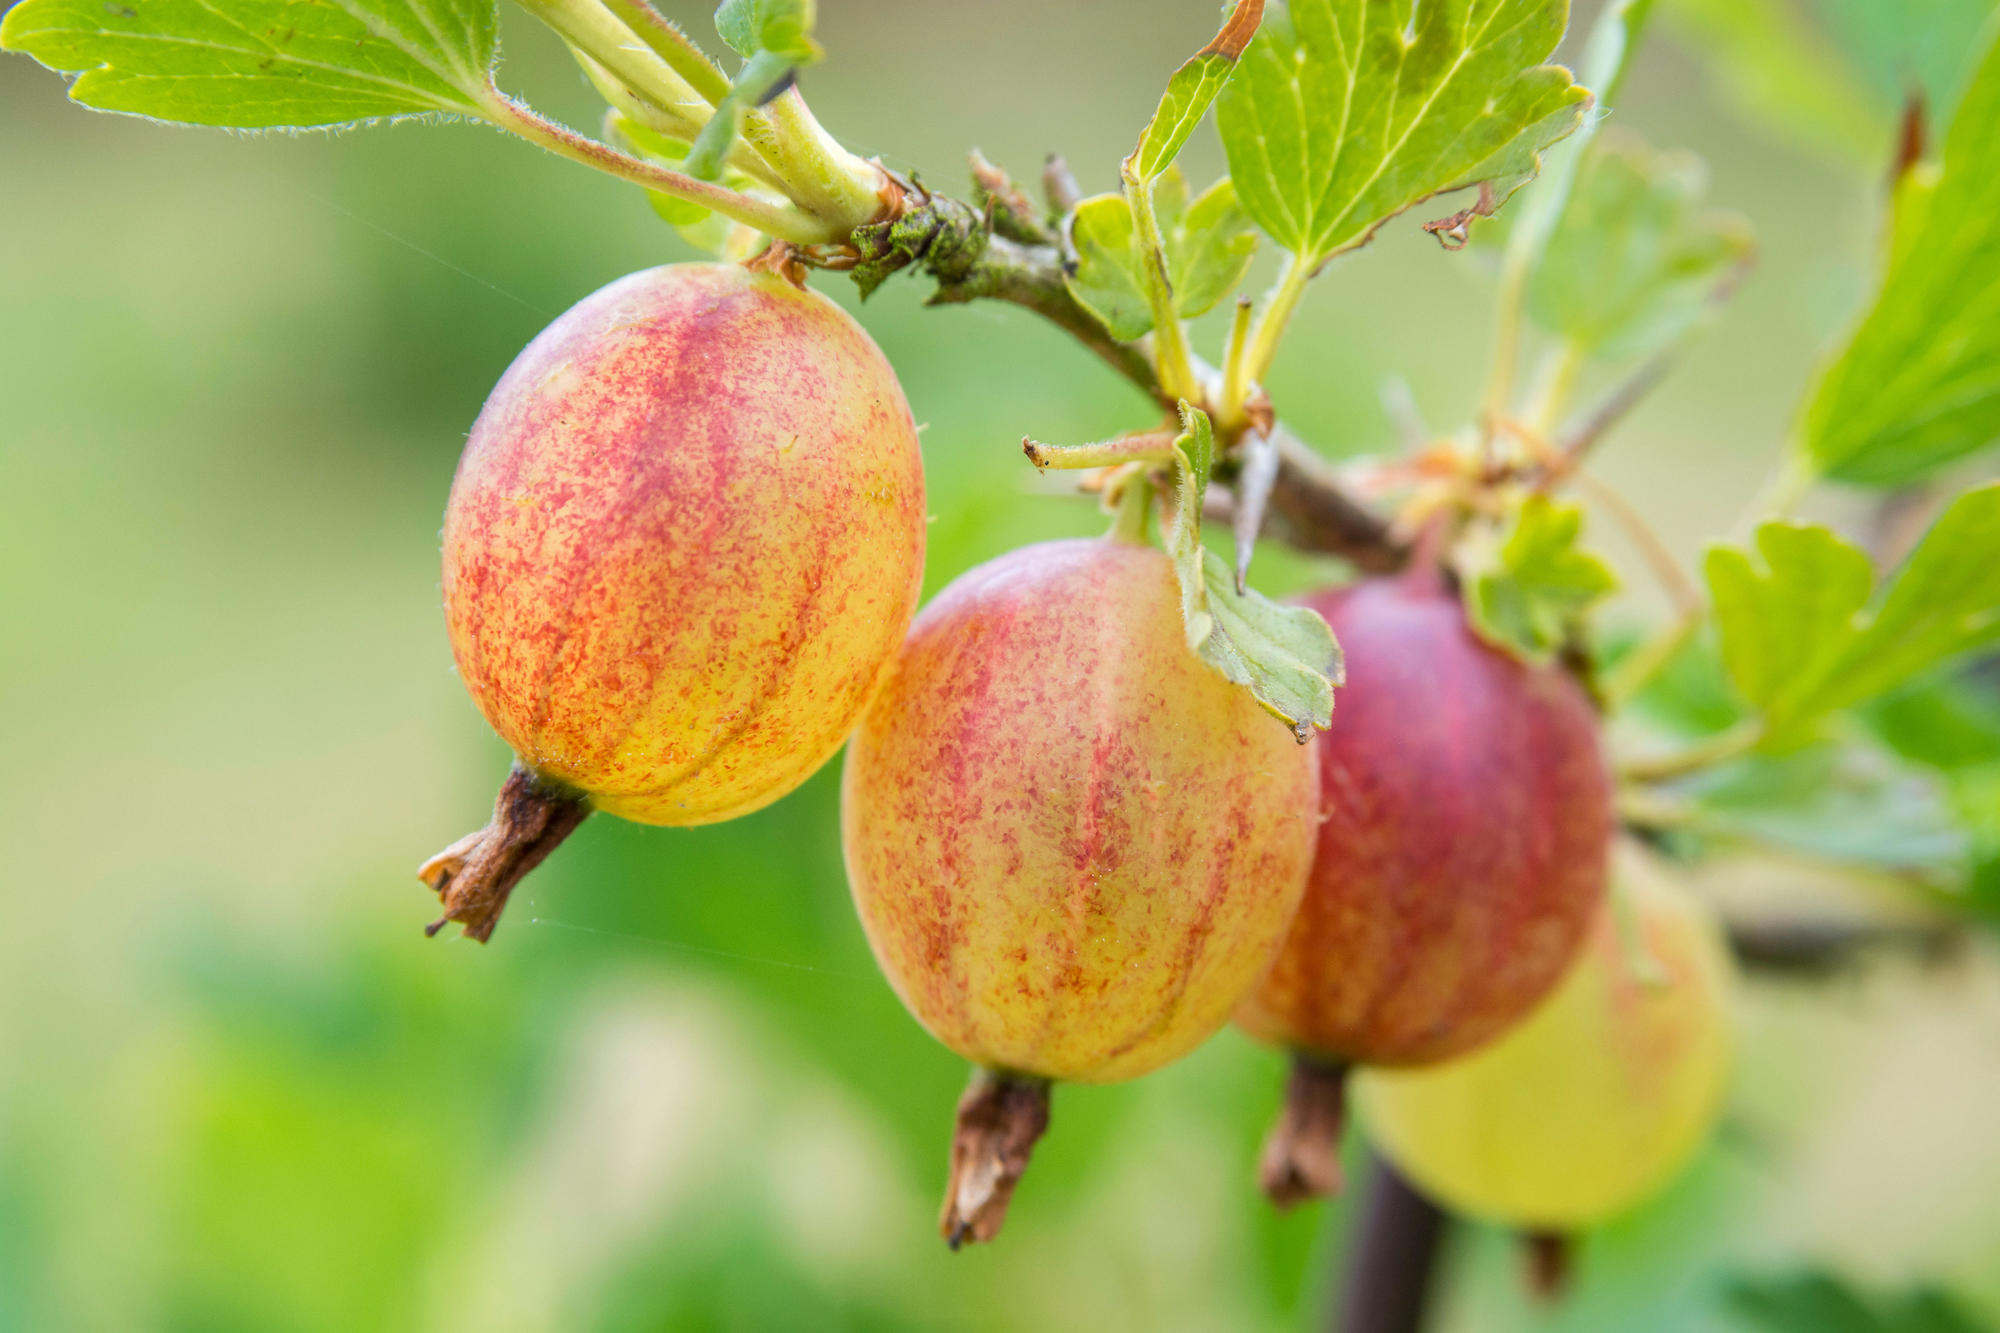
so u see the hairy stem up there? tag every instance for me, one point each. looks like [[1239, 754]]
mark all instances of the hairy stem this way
[[1149, 446], [1279, 305], [1235, 372], [824, 178], [1172, 365], [779, 220], [671, 45]]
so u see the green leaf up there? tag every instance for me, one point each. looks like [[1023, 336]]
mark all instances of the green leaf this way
[[782, 27], [1535, 588], [1191, 90], [775, 39], [1801, 638], [1634, 264], [1918, 384], [1845, 803], [1947, 724], [264, 64], [1343, 113], [1782, 627], [1107, 279], [1209, 245], [1943, 602], [1285, 655], [1194, 455]]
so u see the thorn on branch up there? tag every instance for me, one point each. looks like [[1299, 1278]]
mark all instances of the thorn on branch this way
[[1258, 473]]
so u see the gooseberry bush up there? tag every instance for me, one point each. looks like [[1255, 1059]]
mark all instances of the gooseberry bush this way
[[1424, 829]]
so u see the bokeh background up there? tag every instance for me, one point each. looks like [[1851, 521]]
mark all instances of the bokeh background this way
[[239, 1090]]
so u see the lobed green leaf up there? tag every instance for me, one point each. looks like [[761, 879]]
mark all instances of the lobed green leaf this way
[[1801, 636], [1344, 113], [1535, 588], [263, 64], [1918, 384], [1635, 264], [1285, 655], [1209, 245], [1783, 626]]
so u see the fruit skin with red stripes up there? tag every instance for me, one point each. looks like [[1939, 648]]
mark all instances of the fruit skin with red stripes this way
[[685, 539], [1073, 846], [686, 536], [1464, 839]]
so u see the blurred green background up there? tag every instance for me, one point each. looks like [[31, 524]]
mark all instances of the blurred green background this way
[[239, 1090]]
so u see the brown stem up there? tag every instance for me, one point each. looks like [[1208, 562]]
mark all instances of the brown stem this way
[[955, 244], [474, 875], [1390, 1260], [1301, 1158], [1311, 510], [1810, 948], [1000, 1118], [1551, 1262]]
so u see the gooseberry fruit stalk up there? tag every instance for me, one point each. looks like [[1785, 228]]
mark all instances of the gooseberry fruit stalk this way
[[1073, 846], [684, 540], [1600, 1097], [1466, 821]]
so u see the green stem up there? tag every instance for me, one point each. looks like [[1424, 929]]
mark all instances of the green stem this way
[[1170, 347], [779, 220], [824, 178], [1152, 446], [1132, 522], [702, 75], [597, 32], [1279, 305], [1556, 383], [669, 125], [1235, 373], [650, 58], [1708, 752], [1607, 55]]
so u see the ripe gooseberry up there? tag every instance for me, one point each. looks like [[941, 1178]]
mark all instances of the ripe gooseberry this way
[[1466, 819], [685, 538], [1072, 844]]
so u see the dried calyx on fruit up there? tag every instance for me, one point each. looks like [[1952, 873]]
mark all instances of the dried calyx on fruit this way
[[1466, 818], [1600, 1097], [685, 539], [1073, 845]]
